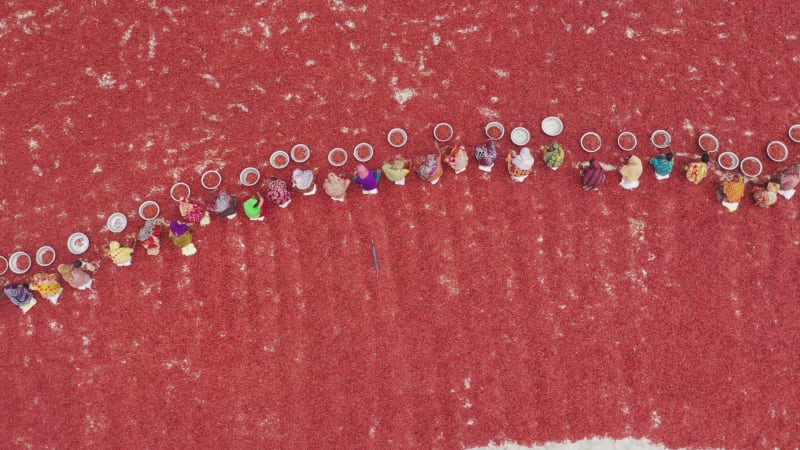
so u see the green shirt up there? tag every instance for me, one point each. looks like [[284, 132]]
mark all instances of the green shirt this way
[[250, 209]]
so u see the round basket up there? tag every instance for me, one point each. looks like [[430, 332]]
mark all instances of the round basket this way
[[745, 165], [728, 160], [211, 179], [397, 137], [45, 256], [627, 141], [117, 223], [300, 153], [520, 136], [552, 126], [443, 132], [249, 176], [494, 130], [708, 143], [337, 157], [19, 262], [3, 265], [279, 159], [777, 151], [794, 133], [363, 155], [78, 243], [660, 139], [149, 204], [586, 142], [176, 188]]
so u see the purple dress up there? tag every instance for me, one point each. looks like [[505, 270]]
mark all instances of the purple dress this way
[[370, 182]]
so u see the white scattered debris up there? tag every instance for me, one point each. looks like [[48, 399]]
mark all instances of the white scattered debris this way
[[501, 73], [106, 81], [630, 33], [211, 80], [404, 95]]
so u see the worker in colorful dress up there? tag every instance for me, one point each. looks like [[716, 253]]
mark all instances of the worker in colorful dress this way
[[194, 211], [520, 165], [397, 170], [20, 295], [766, 195], [553, 155], [429, 168], [77, 274], [696, 171], [278, 192], [118, 254], [47, 285], [631, 172], [367, 179], [457, 159], [486, 155], [593, 175], [336, 186], [224, 204], [303, 181], [253, 207], [789, 178], [181, 236], [731, 193], [663, 165], [150, 238]]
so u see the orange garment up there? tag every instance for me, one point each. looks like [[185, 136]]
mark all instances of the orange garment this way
[[734, 190]]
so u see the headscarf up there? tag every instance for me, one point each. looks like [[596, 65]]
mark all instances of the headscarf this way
[[223, 201], [523, 161], [633, 170], [147, 230], [362, 171], [486, 154], [178, 228], [302, 179]]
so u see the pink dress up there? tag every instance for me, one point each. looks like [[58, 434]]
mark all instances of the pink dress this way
[[277, 192]]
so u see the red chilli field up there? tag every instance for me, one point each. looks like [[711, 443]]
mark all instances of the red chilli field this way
[[526, 312]]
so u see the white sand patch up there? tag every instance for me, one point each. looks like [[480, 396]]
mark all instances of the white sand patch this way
[[33, 144], [304, 16], [240, 106], [666, 31], [350, 24], [404, 95], [656, 419], [37, 170], [472, 29], [265, 28], [501, 73], [22, 15], [589, 30], [210, 79], [107, 81], [126, 36], [488, 113], [152, 43], [436, 39], [629, 33], [340, 6], [687, 125], [310, 63], [97, 169], [596, 443], [55, 326]]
